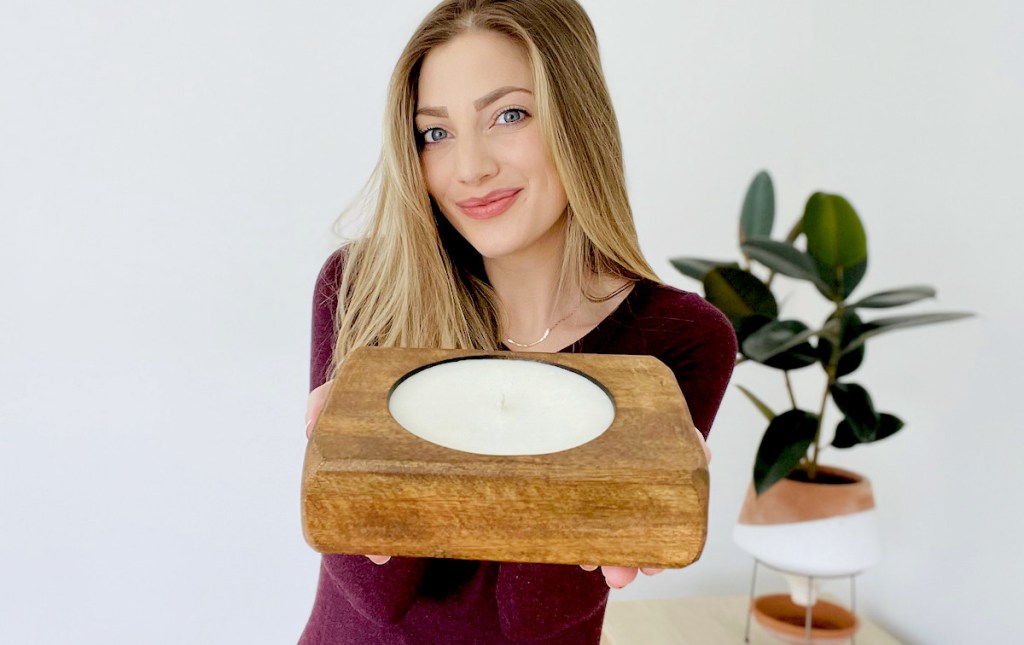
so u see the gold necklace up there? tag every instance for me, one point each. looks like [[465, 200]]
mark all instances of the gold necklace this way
[[546, 331]]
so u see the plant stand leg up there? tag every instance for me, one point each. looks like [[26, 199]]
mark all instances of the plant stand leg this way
[[750, 604], [853, 607], [810, 609]]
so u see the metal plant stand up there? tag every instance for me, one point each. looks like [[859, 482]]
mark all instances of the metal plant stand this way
[[810, 589]]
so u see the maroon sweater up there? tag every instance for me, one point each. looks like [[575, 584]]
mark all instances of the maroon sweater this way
[[428, 601]]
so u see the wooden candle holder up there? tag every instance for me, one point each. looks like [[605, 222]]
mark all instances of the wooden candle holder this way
[[635, 496]]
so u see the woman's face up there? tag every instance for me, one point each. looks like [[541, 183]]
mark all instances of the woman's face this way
[[482, 151]]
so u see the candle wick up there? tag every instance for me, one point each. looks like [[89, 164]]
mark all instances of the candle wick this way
[[501, 403]]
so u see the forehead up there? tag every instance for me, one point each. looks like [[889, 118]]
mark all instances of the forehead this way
[[470, 65]]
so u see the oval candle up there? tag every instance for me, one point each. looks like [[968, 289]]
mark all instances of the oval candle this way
[[498, 406]]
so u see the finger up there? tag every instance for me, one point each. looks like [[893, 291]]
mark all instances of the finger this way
[[704, 446], [317, 399], [315, 404], [619, 577], [651, 571], [588, 567], [379, 559]]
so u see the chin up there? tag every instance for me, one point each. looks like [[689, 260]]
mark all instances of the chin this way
[[491, 244], [493, 249]]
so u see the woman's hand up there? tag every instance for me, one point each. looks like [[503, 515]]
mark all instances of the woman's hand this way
[[314, 405], [619, 577], [704, 445]]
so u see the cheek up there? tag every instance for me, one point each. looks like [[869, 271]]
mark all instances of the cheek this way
[[554, 190], [534, 155], [436, 181], [432, 176]]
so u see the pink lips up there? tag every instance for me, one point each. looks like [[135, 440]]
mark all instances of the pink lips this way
[[490, 205]]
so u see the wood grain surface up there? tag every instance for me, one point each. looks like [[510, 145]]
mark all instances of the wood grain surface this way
[[634, 496]]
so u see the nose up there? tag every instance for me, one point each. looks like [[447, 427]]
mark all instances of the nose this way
[[474, 161]]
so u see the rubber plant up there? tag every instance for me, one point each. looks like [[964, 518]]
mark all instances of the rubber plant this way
[[833, 259]]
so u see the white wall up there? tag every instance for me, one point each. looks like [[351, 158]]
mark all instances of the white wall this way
[[168, 177]]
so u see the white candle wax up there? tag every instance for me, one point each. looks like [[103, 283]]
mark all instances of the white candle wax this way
[[496, 406]]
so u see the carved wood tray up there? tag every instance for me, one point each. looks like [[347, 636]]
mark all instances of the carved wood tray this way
[[637, 495]]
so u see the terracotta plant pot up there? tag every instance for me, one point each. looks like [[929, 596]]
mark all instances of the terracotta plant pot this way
[[784, 619], [812, 529]]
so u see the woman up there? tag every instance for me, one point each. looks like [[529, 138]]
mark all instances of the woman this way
[[501, 223]]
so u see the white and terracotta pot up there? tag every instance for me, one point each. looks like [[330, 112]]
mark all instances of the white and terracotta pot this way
[[812, 529]]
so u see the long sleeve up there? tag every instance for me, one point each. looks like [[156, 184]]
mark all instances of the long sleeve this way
[[702, 359], [381, 593]]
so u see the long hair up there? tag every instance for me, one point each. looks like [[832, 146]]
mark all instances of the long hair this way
[[411, 280]]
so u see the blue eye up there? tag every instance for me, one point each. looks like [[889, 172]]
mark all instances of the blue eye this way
[[433, 135], [512, 115]]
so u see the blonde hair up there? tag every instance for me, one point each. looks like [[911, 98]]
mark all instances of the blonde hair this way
[[411, 280]]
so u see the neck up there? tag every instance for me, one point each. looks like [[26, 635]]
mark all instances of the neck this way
[[527, 288]]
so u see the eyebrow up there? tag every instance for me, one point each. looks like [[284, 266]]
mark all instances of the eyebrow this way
[[479, 104]]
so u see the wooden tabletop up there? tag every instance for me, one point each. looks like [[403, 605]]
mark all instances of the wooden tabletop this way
[[700, 621]]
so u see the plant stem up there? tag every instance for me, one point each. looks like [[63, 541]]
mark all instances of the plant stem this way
[[830, 370], [795, 231], [789, 387], [817, 433]]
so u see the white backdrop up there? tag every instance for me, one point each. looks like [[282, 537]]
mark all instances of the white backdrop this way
[[169, 175]]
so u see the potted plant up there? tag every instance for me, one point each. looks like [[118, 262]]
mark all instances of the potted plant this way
[[800, 515]]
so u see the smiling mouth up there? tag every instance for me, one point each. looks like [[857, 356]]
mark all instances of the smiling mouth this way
[[492, 205]]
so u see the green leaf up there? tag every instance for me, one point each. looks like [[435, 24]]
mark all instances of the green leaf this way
[[830, 330], [844, 437], [739, 294], [888, 426], [883, 325], [837, 242], [851, 277], [855, 403], [775, 338], [758, 214], [850, 361], [849, 328], [894, 298], [835, 235], [827, 283], [761, 405], [697, 268], [782, 257], [750, 324], [798, 356], [784, 444]]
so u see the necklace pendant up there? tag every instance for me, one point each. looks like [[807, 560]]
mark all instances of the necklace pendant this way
[[536, 342]]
